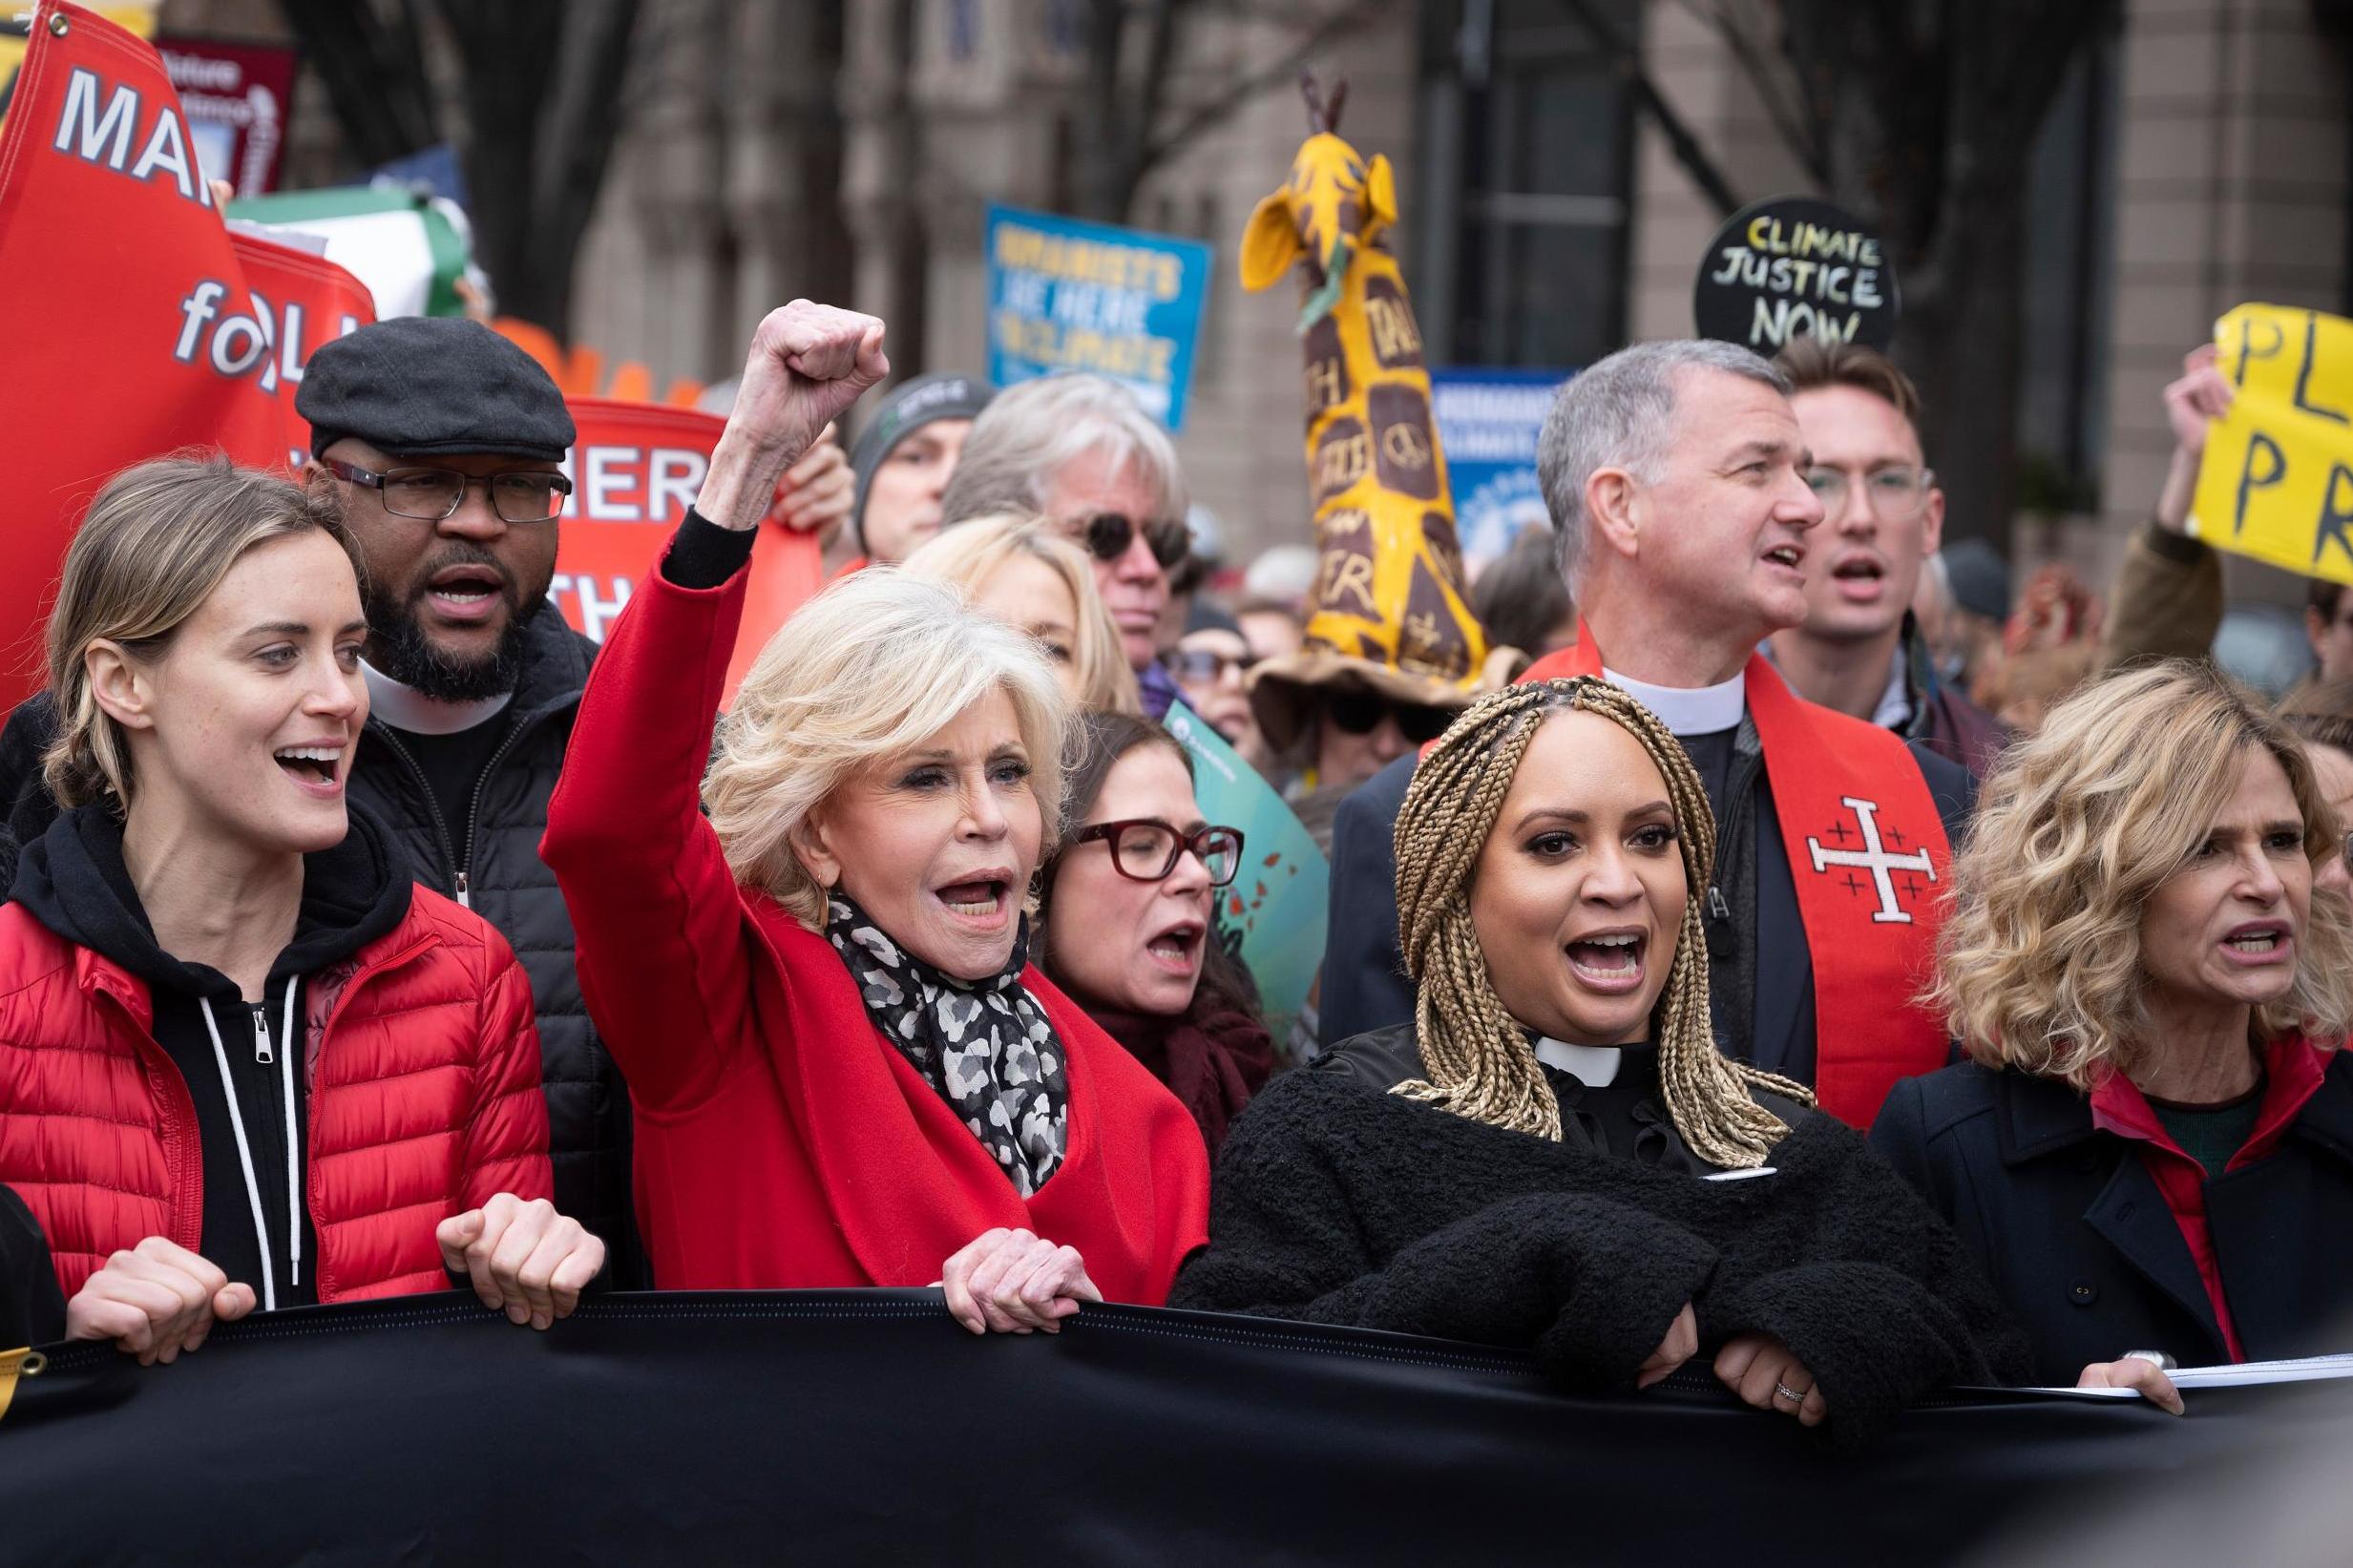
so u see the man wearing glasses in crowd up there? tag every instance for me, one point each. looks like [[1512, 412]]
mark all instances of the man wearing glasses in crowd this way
[[443, 444], [1857, 649], [1080, 449]]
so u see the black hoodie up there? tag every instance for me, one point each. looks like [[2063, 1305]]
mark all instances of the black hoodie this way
[[242, 1061]]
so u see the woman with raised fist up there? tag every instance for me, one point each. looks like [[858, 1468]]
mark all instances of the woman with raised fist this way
[[847, 1072]]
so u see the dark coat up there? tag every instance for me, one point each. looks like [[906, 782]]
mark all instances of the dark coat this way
[[31, 1307], [1943, 720], [1364, 983], [506, 884], [1336, 1201], [2076, 1237]]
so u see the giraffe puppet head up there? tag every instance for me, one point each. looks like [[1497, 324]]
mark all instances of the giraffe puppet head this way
[[1333, 205], [1390, 613]]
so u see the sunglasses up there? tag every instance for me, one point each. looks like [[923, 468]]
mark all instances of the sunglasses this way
[[1200, 666], [1360, 713], [1145, 849], [1107, 534]]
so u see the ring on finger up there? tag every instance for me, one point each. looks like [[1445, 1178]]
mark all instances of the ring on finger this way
[[1795, 1396]]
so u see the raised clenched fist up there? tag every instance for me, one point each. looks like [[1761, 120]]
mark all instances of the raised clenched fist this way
[[808, 363]]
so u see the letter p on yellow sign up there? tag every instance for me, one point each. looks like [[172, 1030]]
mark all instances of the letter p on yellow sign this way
[[2277, 483]]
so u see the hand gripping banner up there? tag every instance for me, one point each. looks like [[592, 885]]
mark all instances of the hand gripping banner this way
[[850, 1426], [133, 330]]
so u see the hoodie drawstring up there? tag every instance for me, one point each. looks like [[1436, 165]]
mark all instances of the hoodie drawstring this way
[[288, 1048], [245, 1157]]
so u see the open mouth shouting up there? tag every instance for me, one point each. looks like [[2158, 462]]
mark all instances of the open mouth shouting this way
[[1790, 558], [2259, 943], [315, 767], [1609, 961], [466, 595], [982, 902], [1860, 578], [1178, 949]]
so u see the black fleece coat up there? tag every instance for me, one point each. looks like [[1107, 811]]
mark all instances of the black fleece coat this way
[[506, 883], [31, 1307], [1335, 1201]]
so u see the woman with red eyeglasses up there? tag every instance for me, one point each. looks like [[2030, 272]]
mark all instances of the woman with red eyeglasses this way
[[1126, 921]]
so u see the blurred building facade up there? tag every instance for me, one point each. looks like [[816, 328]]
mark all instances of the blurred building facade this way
[[2198, 157]]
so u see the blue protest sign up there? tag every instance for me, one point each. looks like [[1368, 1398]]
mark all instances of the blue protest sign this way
[[1066, 295], [1280, 903], [1487, 422]]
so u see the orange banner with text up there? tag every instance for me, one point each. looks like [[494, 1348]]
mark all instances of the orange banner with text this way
[[635, 470]]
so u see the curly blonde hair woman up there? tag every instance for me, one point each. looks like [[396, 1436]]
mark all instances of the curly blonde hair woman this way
[[1025, 572], [2040, 964], [2150, 1145], [1535, 1159]]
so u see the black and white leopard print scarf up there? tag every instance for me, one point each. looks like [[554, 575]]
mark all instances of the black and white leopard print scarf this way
[[985, 1045]]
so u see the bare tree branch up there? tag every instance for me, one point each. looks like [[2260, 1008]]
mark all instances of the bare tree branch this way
[[1685, 146], [1772, 77], [1283, 71]]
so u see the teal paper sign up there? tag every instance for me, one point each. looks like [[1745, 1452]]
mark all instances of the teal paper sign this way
[[1280, 903]]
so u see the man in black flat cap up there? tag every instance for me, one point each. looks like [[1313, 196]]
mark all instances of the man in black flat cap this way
[[443, 445]]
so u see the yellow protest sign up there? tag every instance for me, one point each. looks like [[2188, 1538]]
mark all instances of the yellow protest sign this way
[[2276, 484]]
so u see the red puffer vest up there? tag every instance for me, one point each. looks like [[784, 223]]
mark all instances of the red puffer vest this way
[[423, 1069]]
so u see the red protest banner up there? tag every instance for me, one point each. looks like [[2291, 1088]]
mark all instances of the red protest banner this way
[[306, 300], [131, 332], [636, 469]]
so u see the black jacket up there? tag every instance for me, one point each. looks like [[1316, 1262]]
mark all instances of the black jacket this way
[[2077, 1238], [504, 882], [1943, 720], [1337, 1201], [31, 1307], [1364, 982]]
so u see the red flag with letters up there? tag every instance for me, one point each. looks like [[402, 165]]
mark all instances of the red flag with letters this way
[[131, 332], [306, 300], [636, 469]]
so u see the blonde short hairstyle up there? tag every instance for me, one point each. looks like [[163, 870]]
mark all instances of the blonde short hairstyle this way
[[870, 668], [968, 555], [2039, 960], [155, 544]]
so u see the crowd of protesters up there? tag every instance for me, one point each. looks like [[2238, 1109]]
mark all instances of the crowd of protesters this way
[[372, 933]]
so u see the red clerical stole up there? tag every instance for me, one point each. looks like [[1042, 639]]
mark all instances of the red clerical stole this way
[[1867, 852]]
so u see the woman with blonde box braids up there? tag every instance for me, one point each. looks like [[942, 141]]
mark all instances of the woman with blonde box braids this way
[[1554, 1154]]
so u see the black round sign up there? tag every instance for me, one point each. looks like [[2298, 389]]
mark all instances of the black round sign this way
[[1793, 266]]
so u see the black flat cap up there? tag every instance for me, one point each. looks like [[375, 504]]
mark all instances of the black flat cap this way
[[434, 386]]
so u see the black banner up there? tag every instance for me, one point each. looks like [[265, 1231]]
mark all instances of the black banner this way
[[865, 1427]]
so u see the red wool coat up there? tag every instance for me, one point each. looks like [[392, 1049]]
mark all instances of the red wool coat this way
[[423, 1066], [780, 1140]]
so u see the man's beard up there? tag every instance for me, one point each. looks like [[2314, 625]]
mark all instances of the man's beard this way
[[399, 647]]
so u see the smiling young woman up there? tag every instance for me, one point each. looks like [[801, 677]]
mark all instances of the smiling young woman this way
[[309, 1079], [1554, 1154]]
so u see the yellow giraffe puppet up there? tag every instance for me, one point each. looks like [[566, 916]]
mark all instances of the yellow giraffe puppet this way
[[1390, 605]]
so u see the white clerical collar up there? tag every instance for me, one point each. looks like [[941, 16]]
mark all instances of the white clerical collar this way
[[1594, 1066], [405, 707], [1688, 710]]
